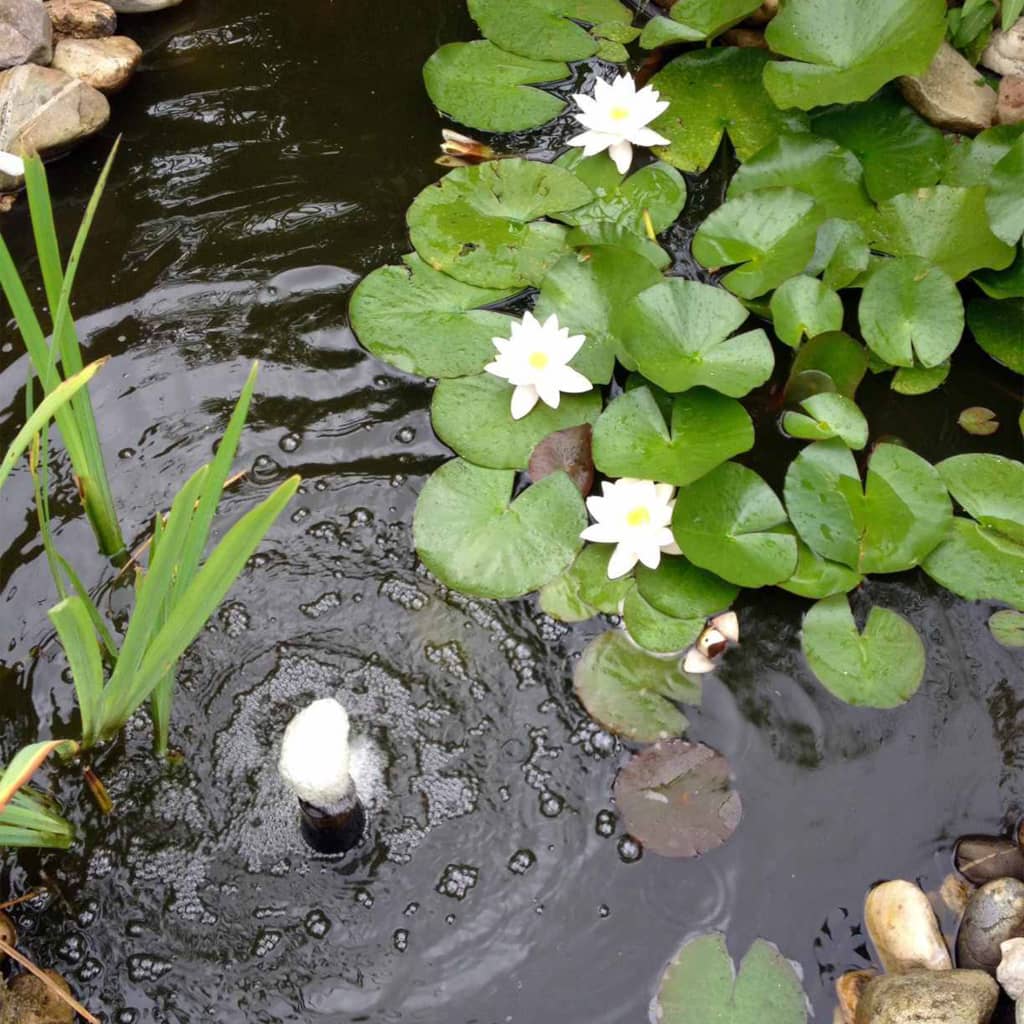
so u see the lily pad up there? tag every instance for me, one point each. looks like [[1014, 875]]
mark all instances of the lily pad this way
[[989, 488], [978, 420], [731, 523], [978, 564], [655, 631], [632, 693], [473, 538], [828, 416], [567, 451], [841, 253], [482, 86], [803, 307], [879, 668], [600, 233], [972, 161], [472, 416], [632, 439], [1005, 199], [677, 798], [701, 986], [816, 577], [1007, 627], [694, 20], [998, 327], [919, 380], [678, 335], [425, 322], [683, 590], [481, 224], [661, 31], [838, 356], [771, 234], [713, 92], [848, 58], [911, 311], [1004, 284], [584, 589]]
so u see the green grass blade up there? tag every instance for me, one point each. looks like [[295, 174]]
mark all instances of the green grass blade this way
[[39, 466], [43, 228], [81, 648], [25, 764], [28, 811], [106, 637]]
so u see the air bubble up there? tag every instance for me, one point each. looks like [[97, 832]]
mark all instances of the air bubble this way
[[457, 881], [630, 851], [406, 435], [317, 924], [290, 443], [521, 861], [401, 940], [551, 805], [264, 469], [604, 824]]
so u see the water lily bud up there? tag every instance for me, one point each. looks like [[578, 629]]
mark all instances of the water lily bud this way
[[728, 624], [696, 663], [462, 151], [712, 642]]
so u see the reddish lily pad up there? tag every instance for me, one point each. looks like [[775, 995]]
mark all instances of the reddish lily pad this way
[[568, 451]]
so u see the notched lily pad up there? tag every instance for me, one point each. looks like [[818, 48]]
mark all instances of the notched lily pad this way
[[677, 798], [655, 631], [683, 590], [835, 355], [978, 420], [568, 451], [828, 415], [804, 307], [817, 577]]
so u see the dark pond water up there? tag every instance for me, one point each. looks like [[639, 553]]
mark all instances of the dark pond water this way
[[270, 151]]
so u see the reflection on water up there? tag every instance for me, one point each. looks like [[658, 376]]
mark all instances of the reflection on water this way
[[269, 158]]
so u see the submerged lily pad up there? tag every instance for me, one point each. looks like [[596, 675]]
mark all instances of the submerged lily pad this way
[[567, 451], [677, 798], [481, 224], [473, 538], [998, 327], [681, 589], [978, 420], [701, 986], [1007, 627], [978, 564], [482, 86], [842, 359], [879, 668], [990, 488], [1005, 199], [828, 415], [804, 307], [632, 693]]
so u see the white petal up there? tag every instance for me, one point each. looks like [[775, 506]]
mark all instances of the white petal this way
[[696, 664], [664, 492], [672, 549], [547, 390], [593, 142], [603, 91], [524, 398], [665, 538], [623, 559], [12, 165], [622, 154], [530, 321], [728, 624], [647, 137], [650, 555], [497, 369], [571, 381], [601, 533]]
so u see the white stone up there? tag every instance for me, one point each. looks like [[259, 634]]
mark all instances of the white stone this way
[[1005, 51], [1010, 972], [106, 64], [904, 928], [315, 755]]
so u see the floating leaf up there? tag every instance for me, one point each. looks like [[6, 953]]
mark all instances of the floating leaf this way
[[632, 439], [471, 538], [567, 451], [702, 19], [472, 416], [655, 631], [804, 307], [546, 29], [848, 58], [978, 564], [601, 233], [998, 327], [560, 598], [841, 253], [817, 577], [632, 693], [771, 234], [683, 590], [911, 310], [972, 161], [1007, 627], [1005, 199], [879, 668], [480, 224], [990, 488], [829, 415], [978, 420], [585, 588], [678, 334], [661, 31], [838, 356], [425, 322], [701, 986], [712, 92], [919, 380], [731, 523], [945, 226], [677, 798], [1004, 284], [482, 86]]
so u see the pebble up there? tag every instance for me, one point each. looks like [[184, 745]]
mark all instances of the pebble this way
[[900, 920], [1010, 972], [37, 1004], [849, 989], [951, 94], [1005, 51], [1010, 105], [982, 859], [26, 35], [106, 64], [82, 19], [928, 997], [994, 914]]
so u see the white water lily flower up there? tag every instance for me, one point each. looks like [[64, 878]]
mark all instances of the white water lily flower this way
[[11, 165], [616, 118], [535, 360], [634, 515]]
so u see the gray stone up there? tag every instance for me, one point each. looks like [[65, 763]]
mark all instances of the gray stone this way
[[1005, 51], [951, 94], [929, 997], [1011, 100], [141, 6], [105, 64], [82, 19], [26, 36], [994, 914]]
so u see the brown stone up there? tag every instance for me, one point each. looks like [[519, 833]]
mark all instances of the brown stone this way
[[764, 13], [1010, 109], [37, 1003], [105, 64], [25, 33], [849, 989], [82, 19], [951, 94], [929, 997], [748, 38]]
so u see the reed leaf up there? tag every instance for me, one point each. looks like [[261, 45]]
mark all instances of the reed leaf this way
[[78, 637]]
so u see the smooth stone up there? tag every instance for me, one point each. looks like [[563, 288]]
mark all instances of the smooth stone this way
[[929, 997], [849, 990], [105, 64], [994, 914], [1005, 51], [141, 6], [955, 893], [904, 928], [1010, 972], [8, 933], [37, 1004], [82, 19], [26, 36], [982, 859], [1010, 108], [951, 94], [47, 112]]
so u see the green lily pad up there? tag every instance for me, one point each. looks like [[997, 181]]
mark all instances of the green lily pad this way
[[771, 234], [1007, 627], [989, 488], [546, 29], [816, 577], [998, 327], [425, 322], [481, 224], [701, 986], [841, 253], [632, 693], [713, 92], [828, 416], [661, 31], [472, 416], [803, 307], [632, 439], [879, 668], [684, 591], [978, 420], [919, 380], [836, 355], [584, 588], [972, 161], [561, 600], [678, 335], [848, 58], [695, 20], [731, 523], [470, 536], [890, 525], [1005, 199], [943, 225], [911, 311], [978, 564], [597, 234], [655, 631], [1004, 284], [482, 86], [587, 291]]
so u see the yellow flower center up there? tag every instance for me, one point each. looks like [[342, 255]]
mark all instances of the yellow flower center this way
[[619, 113], [638, 516], [539, 360]]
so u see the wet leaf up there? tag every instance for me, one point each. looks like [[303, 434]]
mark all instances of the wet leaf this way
[[828, 416], [677, 798], [693, 20], [713, 92], [731, 523], [632, 693], [842, 359], [978, 564], [803, 307], [472, 416], [470, 536], [1004, 284], [600, 233], [632, 439], [1005, 199], [978, 420], [678, 334], [990, 488], [879, 668], [425, 322], [482, 86], [701, 986], [998, 327], [655, 631], [481, 224], [661, 31], [909, 311], [972, 161], [1007, 627], [816, 577], [568, 451], [919, 380], [841, 253], [683, 590], [584, 588], [847, 59]]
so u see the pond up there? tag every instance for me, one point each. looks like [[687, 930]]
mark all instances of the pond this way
[[269, 155]]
